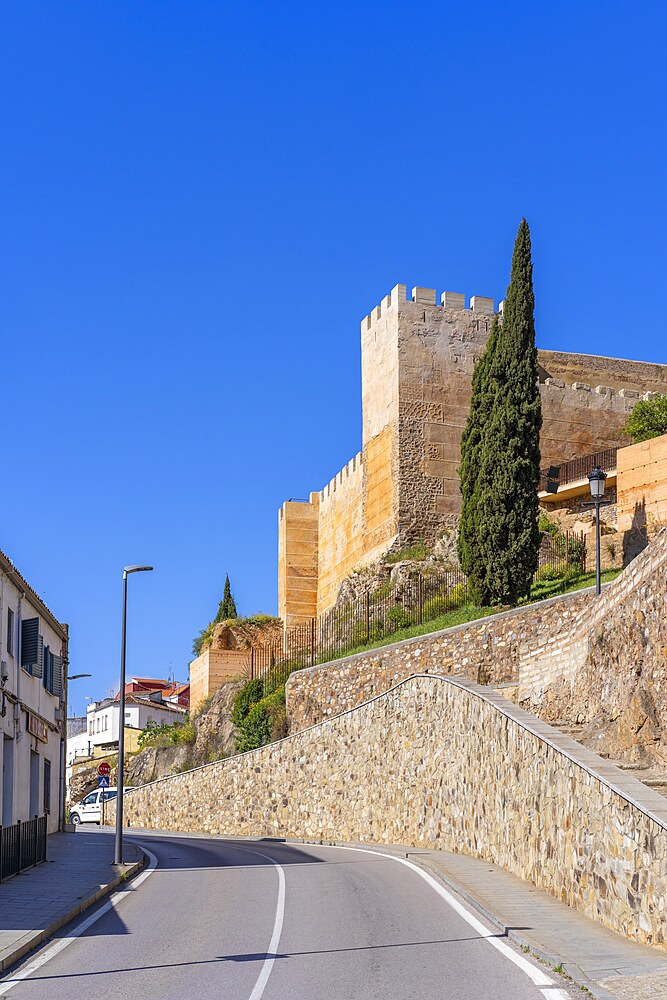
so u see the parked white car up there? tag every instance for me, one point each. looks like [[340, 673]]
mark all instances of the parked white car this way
[[89, 809]]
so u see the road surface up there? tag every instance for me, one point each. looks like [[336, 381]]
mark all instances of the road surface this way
[[261, 920]]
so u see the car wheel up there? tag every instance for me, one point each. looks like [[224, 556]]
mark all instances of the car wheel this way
[[75, 819]]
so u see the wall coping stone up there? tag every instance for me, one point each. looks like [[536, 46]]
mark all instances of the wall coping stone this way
[[633, 791], [453, 629]]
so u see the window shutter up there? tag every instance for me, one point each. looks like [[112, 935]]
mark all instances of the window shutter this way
[[30, 643], [38, 667], [58, 675]]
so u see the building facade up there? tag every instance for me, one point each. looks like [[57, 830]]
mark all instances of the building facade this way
[[33, 679], [417, 360]]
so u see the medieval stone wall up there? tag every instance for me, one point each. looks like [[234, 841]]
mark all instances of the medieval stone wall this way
[[341, 538], [417, 363], [446, 765], [298, 544], [642, 491]]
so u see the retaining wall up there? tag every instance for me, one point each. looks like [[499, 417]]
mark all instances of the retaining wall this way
[[444, 764]]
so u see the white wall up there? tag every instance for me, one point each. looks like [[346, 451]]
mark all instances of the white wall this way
[[16, 743]]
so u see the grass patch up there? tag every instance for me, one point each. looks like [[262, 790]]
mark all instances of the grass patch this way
[[419, 550], [540, 591]]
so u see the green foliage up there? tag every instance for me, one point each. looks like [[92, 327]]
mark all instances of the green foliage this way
[[417, 551], [546, 525], [467, 543], [227, 606], [226, 611], [507, 537], [249, 695], [397, 617], [255, 730], [648, 419], [460, 595], [437, 606], [175, 734], [259, 619]]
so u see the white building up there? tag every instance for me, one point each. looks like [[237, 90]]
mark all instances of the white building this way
[[33, 672], [140, 711]]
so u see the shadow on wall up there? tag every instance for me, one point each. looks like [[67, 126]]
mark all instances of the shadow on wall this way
[[635, 539]]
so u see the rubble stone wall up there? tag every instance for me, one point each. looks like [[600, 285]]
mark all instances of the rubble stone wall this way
[[448, 765]]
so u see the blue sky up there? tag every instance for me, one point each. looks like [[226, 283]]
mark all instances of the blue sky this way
[[201, 200]]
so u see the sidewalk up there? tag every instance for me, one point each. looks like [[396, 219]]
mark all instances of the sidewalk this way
[[608, 965], [78, 871]]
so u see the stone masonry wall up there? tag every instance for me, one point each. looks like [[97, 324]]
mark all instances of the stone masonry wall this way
[[642, 491], [487, 651], [610, 649], [446, 765]]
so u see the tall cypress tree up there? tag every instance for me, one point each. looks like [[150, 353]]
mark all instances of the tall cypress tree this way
[[509, 449], [471, 442], [227, 606]]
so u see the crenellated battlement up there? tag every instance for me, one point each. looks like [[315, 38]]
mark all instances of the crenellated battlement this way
[[454, 301], [352, 468]]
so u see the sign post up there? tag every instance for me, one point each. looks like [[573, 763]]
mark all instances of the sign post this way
[[103, 781]]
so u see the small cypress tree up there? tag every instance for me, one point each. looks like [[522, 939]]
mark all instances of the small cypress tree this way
[[507, 507], [227, 606], [471, 442]]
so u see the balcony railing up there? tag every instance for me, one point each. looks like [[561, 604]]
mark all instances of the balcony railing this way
[[577, 469], [22, 845]]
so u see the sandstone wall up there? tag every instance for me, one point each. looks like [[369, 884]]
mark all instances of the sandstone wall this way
[[340, 531], [447, 765], [213, 668], [642, 487], [644, 376], [487, 650], [298, 542]]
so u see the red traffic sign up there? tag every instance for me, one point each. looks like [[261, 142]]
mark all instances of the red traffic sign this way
[[104, 770]]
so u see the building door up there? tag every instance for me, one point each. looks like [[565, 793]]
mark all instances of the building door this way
[[7, 781], [34, 784]]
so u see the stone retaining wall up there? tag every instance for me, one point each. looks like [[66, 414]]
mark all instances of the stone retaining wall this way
[[487, 651], [448, 765]]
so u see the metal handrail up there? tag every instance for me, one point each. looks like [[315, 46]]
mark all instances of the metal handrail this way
[[578, 468]]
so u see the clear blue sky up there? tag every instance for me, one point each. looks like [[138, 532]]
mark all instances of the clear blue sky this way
[[200, 200]]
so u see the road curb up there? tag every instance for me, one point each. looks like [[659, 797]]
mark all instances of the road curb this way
[[32, 939], [417, 856]]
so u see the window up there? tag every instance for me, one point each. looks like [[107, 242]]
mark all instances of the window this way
[[32, 647], [98, 725], [47, 786], [10, 631], [89, 799], [91, 727]]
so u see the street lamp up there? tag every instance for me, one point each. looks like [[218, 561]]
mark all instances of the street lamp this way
[[118, 854], [596, 480]]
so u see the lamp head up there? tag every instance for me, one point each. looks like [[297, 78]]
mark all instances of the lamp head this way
[[596, 480], [136, 569]]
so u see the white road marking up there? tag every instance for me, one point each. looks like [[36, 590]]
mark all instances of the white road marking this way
[[267, 966], [54, 949], [532, 971], [555, 994]]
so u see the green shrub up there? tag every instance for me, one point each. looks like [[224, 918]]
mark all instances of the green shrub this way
[[249, 695], [277, 712], [398, 618], [167, 734], [546, 525], [460, 595], [549, 572], [255, 729], [435, 607]]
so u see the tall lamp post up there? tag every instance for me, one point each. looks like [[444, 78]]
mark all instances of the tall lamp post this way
[[596, 480], [118, 853]]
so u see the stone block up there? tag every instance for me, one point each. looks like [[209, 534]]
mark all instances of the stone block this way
[[425, 295], [481, 304], [453, 300]]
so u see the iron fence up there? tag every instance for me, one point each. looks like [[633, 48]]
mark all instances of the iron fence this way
[[578, 468], [22, 845], [414, 600]]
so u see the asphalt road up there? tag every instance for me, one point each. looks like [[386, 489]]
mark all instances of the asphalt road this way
[[231, 920]]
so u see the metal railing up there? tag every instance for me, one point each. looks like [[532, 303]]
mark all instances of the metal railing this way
[[420, 598], [22, 845], [578, 468]]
